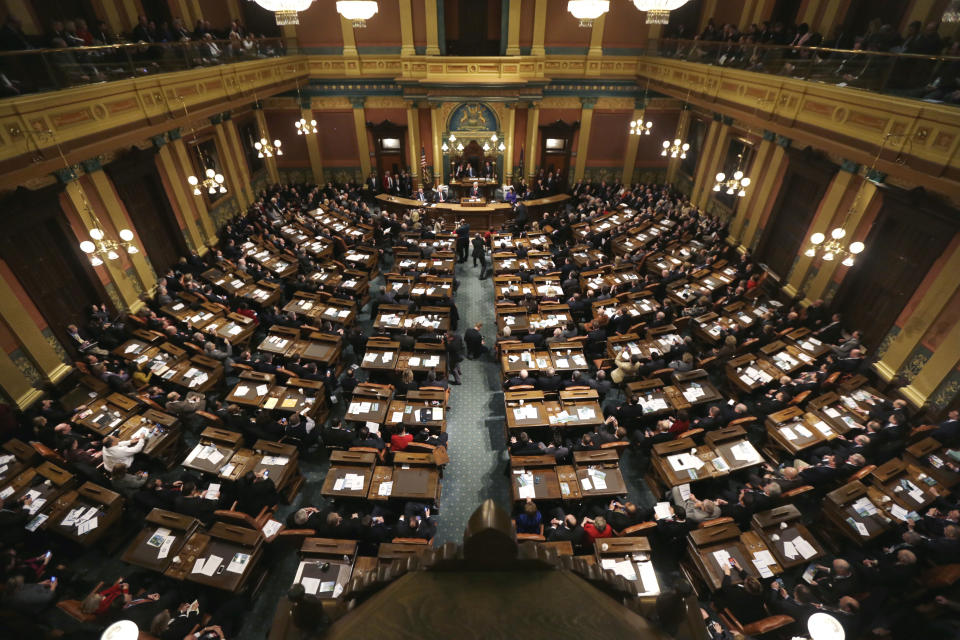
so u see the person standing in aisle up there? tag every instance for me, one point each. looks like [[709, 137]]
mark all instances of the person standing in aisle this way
[[480, 254], [463, 241], [454, 355]]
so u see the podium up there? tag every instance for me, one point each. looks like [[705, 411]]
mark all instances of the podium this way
[[473, 202]]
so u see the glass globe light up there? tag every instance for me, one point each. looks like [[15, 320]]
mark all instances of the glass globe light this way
[[211, 173], [848, 262], [730, 191], [132, 249], [257, 145], [716, 187], [193, 180], [444, 147], [828, 256], [685, 146], [87, 247], [745, 182], [219, 178], [737, 175], [838, 233], [223, 189], [96, 234], [677, 141], [112, 255], [95, 261], [857, 247], [493, 138], [196, 191], [633, 124], [817, 238], [721, 177], [452, 138], [666, 144], [313, 123], [810, 252], [126, 235]]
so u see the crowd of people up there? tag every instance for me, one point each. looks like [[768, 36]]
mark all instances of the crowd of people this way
[[775, 47], [203, 45]]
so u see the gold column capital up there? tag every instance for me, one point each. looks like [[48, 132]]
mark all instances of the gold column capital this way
[[539, 28], [513, 28]]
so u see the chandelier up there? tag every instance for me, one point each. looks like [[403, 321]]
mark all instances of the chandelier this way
[[285, 11], [99, 247], [586, 11], [212, 181], [952, 12], [737, 184], [267, 150], [357, 11], [639, 127], [658, 11], [675, 149], [304, 127]]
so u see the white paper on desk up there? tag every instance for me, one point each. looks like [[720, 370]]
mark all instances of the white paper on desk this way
[[364, 407], [92, 511], [625, 568], [397, 416], [608, 563], [599, 481], [262, 390], [387, 356], [898, 512], [788, 433], [862, 529], [370, 356], [213, 491], [86, 525], [242, 390], [198, 566], [274, 461], [35, 505], [238, 563], [338, 485], [833, 413], [789, 550], [310, 585], [684, 490], [354, 407], [271, 528], [215, 456], [661, 510], [745, 451], [803, 431], [822, 427], [165, 547], [386, 488], [648, 576], [763, 569], [413, 361], [211, 565], [722, 557], [764, 557], [585, 483], [917, 496], [437, 413], [586, 413], [680, 461], [805, 548]]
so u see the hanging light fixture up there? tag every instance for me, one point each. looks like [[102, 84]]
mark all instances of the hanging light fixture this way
[[501, 147], [586, 11], [459, 146], [99, 247], [674, 149], [640, 128], [823, 626], [444, 147], [212, 181], [303, 126], [357, 11], [486, 146], [952, 13], [267, 150], [286, 12], [658, 11], [737, 184]]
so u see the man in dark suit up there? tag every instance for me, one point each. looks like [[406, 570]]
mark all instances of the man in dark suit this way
[[550, 381], [948, 431], [566, 529], [421, 196], [474, 342], [480, 254], [475, 191], [463, 240]]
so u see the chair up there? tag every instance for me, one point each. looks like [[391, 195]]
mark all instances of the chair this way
[[530, 537], [787, 496], [150, 403], [921, 432], [232, 516], [419, 541], [666, 371], [639, 529], [758, 627], [941, 577], [619, 445], [742, 421], [81, 367], [48, 454], [72, 607], [292, 538], [522, 387], [863, 473], [212, 418], [380, 453], [800, 398]]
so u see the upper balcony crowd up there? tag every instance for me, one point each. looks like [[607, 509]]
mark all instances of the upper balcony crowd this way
[[71, 53], [918, 64]]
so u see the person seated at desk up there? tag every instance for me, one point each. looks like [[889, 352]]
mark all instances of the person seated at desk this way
[[31, 598], [745, 600], [530, 519], [336, 435], [193, 502], [127, 484], [621, 515], [416, 526], [594, 529], [837, 581], [367, 439], [524, 446], [255, 491], [400, 440], [521, 379], [187, 408], [115, 452], [586, 443], [550, 382], [303, 428], [696, 510]]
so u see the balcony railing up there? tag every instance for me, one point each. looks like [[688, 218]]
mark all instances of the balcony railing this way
[[33, 70], [923, 77]]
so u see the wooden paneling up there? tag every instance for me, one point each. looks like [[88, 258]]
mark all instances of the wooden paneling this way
[[46, 259], [135, 177], [911, 231], [799, 195]]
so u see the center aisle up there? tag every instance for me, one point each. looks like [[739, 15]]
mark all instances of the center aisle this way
[[477, 467]]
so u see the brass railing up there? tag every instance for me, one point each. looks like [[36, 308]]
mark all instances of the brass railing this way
[[924, 77], [32, 70]]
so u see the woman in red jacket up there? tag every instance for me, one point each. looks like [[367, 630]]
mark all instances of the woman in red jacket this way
[[596, 528]]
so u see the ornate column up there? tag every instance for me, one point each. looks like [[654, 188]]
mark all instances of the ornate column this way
[[360, 127], [197, 204], [350, 53], [829, 205], [746, 203], [313, 142], [36, 346], [433, 31], [710, 160], [271, 163], [539, 28], [630, 160], [513, 28], [233, 139], [406, 29], [533, 123], [762, 200], [120, 220], [436, 131], [508, 133], [413, 141], [176, 181], [583, 142], [231, 161], [596, 37], [15, 383]]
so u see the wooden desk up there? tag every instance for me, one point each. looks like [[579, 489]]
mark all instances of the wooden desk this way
[[161, 431], [344, 464], [224, 545], [541, 481], [16, 457], [105, 415], [782, 526], [850, 506], [44, 484], [665, 461], [280, 460], [906, 485], [732, 445], [795, 430], [706, 548], [149, 545], [390, 551], [525, 412], [592, 480], [86, 514], [748, 373], [326, 566], [932, 456], [214, 451], [199, 373], [249, 393], [629, 557]]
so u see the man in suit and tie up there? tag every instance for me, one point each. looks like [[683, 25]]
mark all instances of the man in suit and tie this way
[[388, 182], [475, 190], [948, 431], [440, 195], [372, 184], [421, 196], [469, 171]]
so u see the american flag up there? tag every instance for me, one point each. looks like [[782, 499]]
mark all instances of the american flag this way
[[423, 158], [521, 161]]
